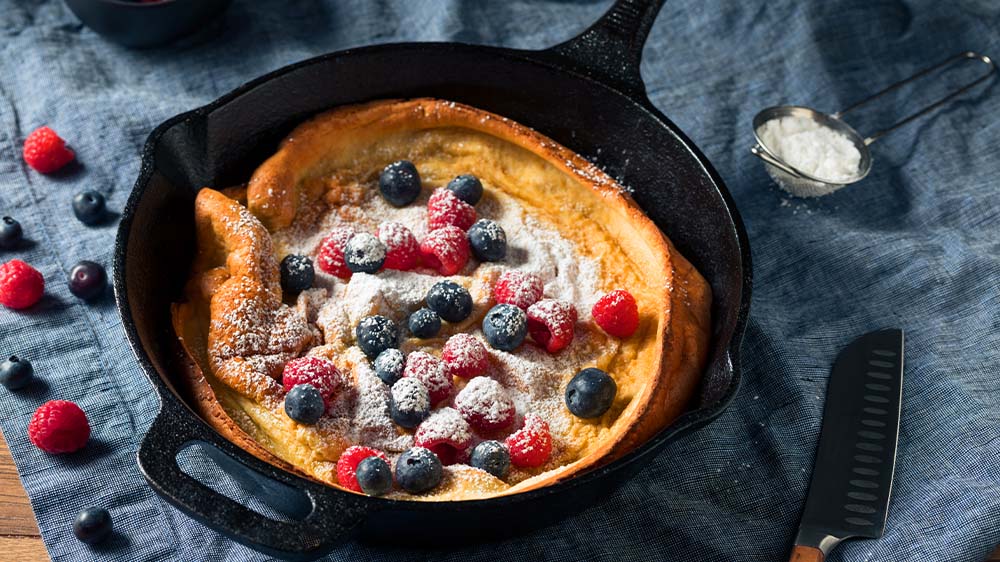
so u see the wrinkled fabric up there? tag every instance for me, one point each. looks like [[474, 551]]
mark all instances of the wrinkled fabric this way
[[914, 246]]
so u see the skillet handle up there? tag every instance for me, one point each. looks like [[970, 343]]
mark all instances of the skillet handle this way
[[610, 50], [319, 518]]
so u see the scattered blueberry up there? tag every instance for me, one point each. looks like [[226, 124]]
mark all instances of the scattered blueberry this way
[[93, 525], [15, 373], [492, 457], [304, 404], [364, 253], [590, 393], [87, 280], [488, 240], [505, 327], [376, 334], [418, 470], [389, 365], [399, 183], [424, 323], [374, 476], [409, 403], [297, 273], [450, 300], [467, 187], [88, 206], [10, 233]]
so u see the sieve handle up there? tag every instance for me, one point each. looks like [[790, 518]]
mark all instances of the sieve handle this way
[[952, 61]]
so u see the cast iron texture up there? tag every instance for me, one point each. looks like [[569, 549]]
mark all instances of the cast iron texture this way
[[569, 93], [145, 25]]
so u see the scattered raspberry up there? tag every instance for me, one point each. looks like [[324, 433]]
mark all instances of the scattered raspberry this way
[[444, 208], [432, 372], [59, 426], [331, 252], [485, 404], [445, 249], [465, 356], [551, 323], [518, 288], [45, 151], [617, 313], [531, 445], [401, 249], [446, 434], [20, 285], [319, 372], [347, 465]]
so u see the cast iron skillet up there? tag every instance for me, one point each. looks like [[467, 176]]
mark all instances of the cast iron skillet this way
[[586, 94]]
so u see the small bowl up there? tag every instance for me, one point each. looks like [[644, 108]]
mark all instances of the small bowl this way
[[136, 24]]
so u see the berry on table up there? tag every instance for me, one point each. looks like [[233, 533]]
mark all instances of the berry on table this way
[[376, 334], [465, 356], [399, 183], [11, 233], [590, 393], [321, 373], [617, 313], [347, 465], [445, 250], [87, 280], [450, 301], [388, 365], [16, 373], [409, 402], [485, 404], [20, 285], [59, 426], [551, 323], [424, 323], [93, 525], [418, 470], [444, 208], [446, 433], [297, 273], [505, 327], [467, 187], [488, 240], [331, 252], [304, 404], [364, 253], [492, 457], [89, 207], [519, 288], [432, 373], [402, 252], [374, 476], [45, 151], [531, 445]]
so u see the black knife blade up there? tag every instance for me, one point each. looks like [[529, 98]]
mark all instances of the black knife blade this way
[[852, 478]]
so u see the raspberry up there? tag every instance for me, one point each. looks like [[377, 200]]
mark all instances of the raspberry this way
[[401, 250], [331, 252], [444, 208], [319, 372], [59, 426], [551, 323], [617, 313], [20, 285], [465, 356], [531, 445], [445, 249], [446, 434], [347, 465], [432, 372], [45, 151], [518, 288], [485, 404]]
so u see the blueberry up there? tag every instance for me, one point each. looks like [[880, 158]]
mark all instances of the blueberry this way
[[467, 187], [374, 476], [418, 470], [87, 280], [88, 206], [15, 373], [297, 273], [93, 525], [304, 404], [450, 300], [409, 403], [488, 240], [492, 457], [424, 323], [399, 183], [505, 327], [389, 365], [364, 253], [376, 334], [10, 233], [590, 393]]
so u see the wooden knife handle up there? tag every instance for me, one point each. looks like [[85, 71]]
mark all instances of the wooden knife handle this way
[[806, 554]]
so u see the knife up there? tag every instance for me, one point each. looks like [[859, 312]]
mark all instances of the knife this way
[[852, 478]]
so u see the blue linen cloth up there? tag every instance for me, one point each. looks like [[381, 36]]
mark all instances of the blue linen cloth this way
[[915, 245]]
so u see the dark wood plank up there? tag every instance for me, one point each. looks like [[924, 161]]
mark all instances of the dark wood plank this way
[[16, 518], [23, 549]]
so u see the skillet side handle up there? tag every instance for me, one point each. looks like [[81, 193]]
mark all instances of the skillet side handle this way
[[610, 50], [326, 519]]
